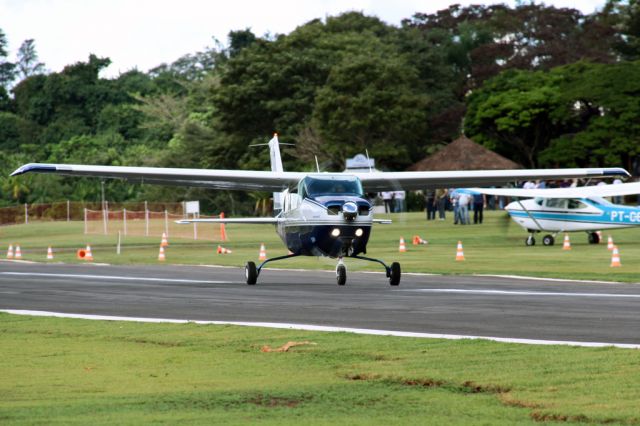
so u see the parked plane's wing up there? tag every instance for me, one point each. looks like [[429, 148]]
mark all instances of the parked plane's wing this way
[[579, 192], [388, 181], [220, 179]]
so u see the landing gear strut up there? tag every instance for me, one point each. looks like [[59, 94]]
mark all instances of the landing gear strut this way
[[252, 272], [393, 272]]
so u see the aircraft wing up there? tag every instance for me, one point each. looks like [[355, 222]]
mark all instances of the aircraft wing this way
[[279, 180], [254, 220], [387, 181], [245, 220], [578, 192], [219, 179]]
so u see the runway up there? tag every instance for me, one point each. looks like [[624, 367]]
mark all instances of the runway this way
[[495, 307]]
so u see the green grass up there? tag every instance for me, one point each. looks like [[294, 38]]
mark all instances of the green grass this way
[[496, 247], [61, 371]]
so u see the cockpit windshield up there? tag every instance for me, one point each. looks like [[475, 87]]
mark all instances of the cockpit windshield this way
[[315, 186]]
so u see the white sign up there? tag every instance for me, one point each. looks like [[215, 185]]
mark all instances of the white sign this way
[[192, 207]]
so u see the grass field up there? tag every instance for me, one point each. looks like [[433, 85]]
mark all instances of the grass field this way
[[496, 247], [62, 371]]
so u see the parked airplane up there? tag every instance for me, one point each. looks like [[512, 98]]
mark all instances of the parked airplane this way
[[317, 214], [557, 210]]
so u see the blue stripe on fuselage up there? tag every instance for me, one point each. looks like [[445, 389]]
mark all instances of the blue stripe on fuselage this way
[[615, 214]]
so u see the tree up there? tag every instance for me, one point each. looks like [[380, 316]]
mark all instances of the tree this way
[[7, 69], [517, 114], [605, 116], [28, 64], [369, 103]]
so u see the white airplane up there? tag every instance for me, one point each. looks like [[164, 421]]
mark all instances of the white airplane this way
[[317, 214], [558, 210]]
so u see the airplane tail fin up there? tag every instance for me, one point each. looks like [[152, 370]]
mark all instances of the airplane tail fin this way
[[276, 166]]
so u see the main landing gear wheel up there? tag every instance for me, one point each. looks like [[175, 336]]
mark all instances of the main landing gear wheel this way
[[594, 238], [530, 241], [394, 274], [251, 273], [548, 240], [341, 274]]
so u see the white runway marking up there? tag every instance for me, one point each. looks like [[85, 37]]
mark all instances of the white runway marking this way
[[308, 327], [521, 293], [112, 277]]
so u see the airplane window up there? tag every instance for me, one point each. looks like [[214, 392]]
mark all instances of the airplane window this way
[[557, 203], [332, 186], [577, 204], [539, 201]]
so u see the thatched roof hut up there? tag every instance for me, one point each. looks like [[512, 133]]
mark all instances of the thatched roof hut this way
[[464, 154]]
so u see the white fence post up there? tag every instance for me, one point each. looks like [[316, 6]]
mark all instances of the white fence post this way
[[68, 211], [104, 220], [146, 220], [26, 214], [166, 222]]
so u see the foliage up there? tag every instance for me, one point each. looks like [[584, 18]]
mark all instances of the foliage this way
[[335, 87], [583, 114]]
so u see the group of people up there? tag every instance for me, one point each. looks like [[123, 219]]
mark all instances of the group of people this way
[[393, 201], [460, 201]]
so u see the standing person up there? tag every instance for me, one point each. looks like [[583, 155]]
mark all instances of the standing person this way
[[455, 195], [463, 207], [387, 198], [441, 200], [618, 198], [479, 203], [398, 200], [430, 203]]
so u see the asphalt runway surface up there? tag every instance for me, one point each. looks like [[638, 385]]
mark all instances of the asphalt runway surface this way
[[453, 305]]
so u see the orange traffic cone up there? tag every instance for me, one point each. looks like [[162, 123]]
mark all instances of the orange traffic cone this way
[[402, 248], [222, 250], [87, 254], [459, 252], [18, 254], [10, 252], [49, 253], [566, 245], [161, 256], [610, 243], [164, 242], [417, 239], [263, 253], [615, 258]]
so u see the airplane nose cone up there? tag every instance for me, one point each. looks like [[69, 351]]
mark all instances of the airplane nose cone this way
[[512, 206], [349, 210]]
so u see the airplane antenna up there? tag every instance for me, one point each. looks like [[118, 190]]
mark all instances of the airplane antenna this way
[[317, 165], [368, 160]]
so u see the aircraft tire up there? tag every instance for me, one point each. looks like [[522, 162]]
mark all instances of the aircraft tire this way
[[594, 238], [341, 275], [548, 240], [250, 273], [530, 241], [394, 275]]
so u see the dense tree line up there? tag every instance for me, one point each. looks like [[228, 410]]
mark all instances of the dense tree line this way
[[541, 85]]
